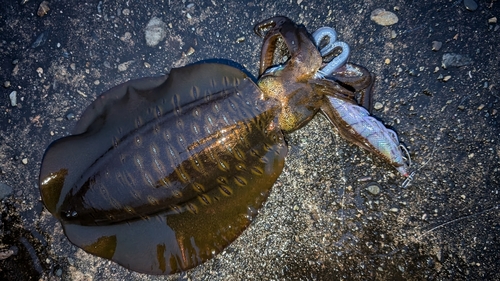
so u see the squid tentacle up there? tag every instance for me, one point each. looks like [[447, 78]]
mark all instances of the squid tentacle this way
[[337, 62], [320, 34], [269, 30], [327, 32]]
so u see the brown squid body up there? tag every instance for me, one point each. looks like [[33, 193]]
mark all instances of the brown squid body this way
[[163, 173]]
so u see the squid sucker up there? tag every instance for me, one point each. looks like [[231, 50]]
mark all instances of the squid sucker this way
[[161, 174]]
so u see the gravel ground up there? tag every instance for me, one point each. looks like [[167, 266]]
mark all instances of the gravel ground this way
[[336, 212]]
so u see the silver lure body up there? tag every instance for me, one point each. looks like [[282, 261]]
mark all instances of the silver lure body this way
[[355, 123]]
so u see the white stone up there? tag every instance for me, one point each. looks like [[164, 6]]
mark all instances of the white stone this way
[[155, 31], [13, 98]]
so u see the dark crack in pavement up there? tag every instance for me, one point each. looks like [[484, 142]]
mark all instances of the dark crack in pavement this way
[[336, 212]]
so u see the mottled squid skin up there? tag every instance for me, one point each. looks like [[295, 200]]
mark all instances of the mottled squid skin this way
[[163, 173], [291, 83]]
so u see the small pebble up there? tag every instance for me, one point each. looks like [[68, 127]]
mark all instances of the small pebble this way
[[25, 161], [394, 210], [40, 40], [461, 107], [383, 17], [436, 69], [363, 179], [126, 12], [70, 116], [387, 61], [13, 98], [393, 34], [124, 66], [190, 51], [5, 254], [373, 189], [378, 106], [39, 71], [480, 107], [446, 78], [147, 65], [240, 39], [455, 60], [6, 84], [126, 37], [427, 92], [436, 45], [470, 5], [155, 31], [492, 20], [43, 9]]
